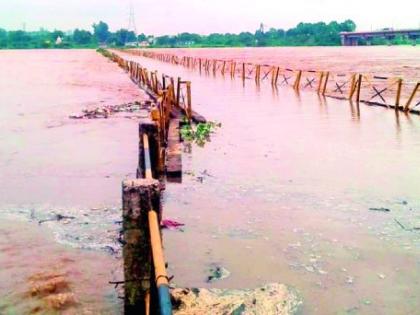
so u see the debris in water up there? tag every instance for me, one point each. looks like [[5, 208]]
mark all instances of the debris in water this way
[[380, 209], [217, 273], [106, 111], [170, 224], [273, 298], [309, 268], [57, 217], [349, 280]]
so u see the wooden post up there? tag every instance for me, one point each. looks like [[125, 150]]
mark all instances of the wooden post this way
[[257, 73], [189, 106], [178, 92], [359, 86], [398, 96], [139, 196], [232, 69], [321, 77], [277, 76], [324, 89], [297, 81], [243, 71], [352, 86], [199, 64], [223, 68], [410, 99]]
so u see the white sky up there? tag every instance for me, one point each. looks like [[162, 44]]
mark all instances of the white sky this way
[[205, 16]]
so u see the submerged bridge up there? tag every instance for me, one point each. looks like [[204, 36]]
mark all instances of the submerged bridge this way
[[352, 38]]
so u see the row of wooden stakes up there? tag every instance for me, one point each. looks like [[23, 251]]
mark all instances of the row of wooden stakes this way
[[372, 89]]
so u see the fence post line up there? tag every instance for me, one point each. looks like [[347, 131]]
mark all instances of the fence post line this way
[[398, 96], [324, 89]]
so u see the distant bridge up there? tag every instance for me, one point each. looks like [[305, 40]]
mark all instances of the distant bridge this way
[[352, 38]]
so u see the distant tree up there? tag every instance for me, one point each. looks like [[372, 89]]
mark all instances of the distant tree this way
[[82, 37], [348, 26], [3, 38], [18, 39], [124, 36], [166, 41], [56, 33], [246, 39], [188, 39], [101, 31], [216, 39], [141, 37]]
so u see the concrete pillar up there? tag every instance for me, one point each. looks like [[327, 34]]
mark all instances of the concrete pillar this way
[[139, 197]]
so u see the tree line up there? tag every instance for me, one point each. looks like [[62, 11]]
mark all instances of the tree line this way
[[304, 34]]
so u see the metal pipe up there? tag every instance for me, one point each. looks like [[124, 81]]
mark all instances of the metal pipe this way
[[162, 284], [147, 162]]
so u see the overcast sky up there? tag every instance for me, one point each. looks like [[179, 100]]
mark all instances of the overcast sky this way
[[205, 16]]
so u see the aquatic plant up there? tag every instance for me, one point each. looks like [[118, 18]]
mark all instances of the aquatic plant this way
[[199, 133]]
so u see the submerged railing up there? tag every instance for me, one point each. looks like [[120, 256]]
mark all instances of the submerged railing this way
[[391, 92], [146, 283]]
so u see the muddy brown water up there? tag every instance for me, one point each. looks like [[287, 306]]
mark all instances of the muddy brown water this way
[[283, 191], [52, 165]]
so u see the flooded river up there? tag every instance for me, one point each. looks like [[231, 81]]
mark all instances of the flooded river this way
[[295, 188], [51, 166], [316, 193]]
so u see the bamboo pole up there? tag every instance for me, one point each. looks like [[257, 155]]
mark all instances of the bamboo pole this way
[[359, 86], [297, 81], [410, 99], [398, 96], [277, 76], [257, 73], [324, 89], [178, 92], [352, 86], [189, 107], [321, 78]]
